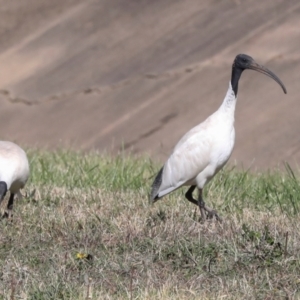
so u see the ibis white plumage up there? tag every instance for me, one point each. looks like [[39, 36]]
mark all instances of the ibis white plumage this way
[[14, 171], [206, 148]]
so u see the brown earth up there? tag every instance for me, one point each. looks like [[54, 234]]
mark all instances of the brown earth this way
[[138, 74]]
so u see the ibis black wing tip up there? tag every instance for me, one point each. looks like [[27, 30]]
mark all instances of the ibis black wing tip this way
[[155, 186]]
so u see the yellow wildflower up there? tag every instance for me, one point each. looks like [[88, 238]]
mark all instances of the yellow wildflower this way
[[81, 255]]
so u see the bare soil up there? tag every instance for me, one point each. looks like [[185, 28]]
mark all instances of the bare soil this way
[[115, 74]]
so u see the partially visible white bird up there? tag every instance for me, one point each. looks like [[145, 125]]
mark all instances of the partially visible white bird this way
[[206, 148], [14, 172]]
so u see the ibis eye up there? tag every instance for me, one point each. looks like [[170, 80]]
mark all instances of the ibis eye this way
[[244, 60]]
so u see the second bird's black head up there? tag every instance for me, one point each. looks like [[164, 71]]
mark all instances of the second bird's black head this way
[[243, 62]]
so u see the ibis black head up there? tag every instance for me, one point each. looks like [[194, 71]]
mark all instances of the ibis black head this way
[[243, 62], [3, 190]]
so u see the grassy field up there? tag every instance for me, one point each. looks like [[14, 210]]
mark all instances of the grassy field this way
[[85, 230]]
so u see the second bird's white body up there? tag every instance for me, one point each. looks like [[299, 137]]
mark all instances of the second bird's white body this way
[[202, 151], [14, 166]]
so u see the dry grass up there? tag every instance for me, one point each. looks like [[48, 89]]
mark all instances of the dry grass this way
[[86, 231]]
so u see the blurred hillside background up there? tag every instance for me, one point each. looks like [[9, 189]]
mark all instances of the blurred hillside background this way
[[113, 74]]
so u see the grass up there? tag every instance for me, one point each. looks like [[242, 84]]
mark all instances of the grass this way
[[85, 230]]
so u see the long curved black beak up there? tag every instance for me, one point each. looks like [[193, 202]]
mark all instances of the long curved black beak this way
[[255, 66]]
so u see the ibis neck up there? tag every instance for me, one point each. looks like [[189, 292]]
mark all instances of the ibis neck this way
[[235, 77], [229, 102]]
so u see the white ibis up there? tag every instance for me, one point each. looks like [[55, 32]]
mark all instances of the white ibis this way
[[206, 148], [14, 171]]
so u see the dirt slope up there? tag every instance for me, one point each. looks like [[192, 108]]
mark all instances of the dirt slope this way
[[138, 74]]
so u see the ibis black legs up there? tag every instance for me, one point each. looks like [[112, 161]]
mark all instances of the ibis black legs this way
[[189, 195], [10, 205], [210, 213]]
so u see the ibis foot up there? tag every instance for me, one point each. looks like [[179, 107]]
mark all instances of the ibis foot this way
[[206, 212], [212, 213], [7, 215]]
